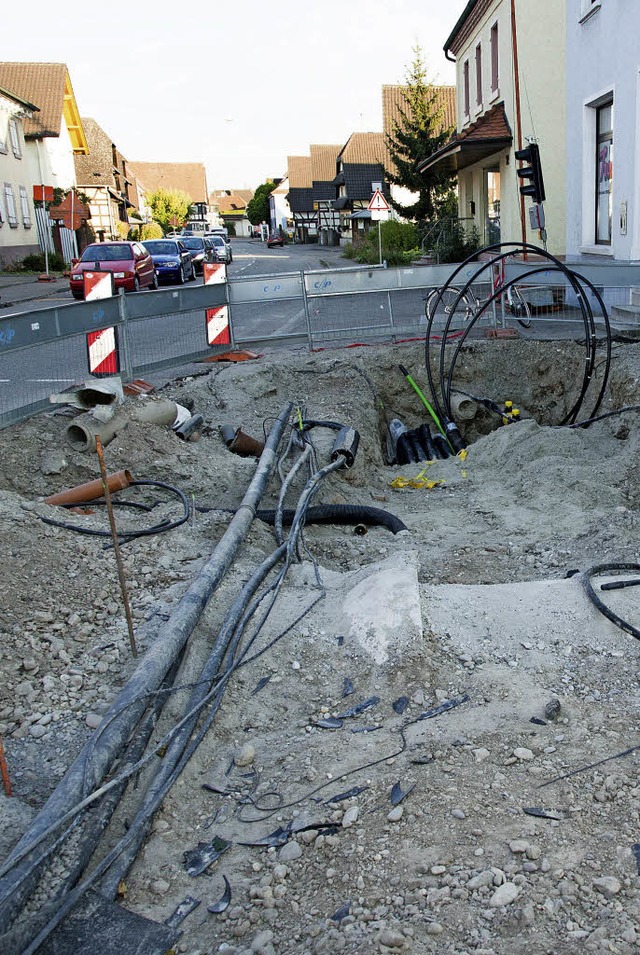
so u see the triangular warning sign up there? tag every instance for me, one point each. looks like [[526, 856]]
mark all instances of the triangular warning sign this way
[[378, 203]]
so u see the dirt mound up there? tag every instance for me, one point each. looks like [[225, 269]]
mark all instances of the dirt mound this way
[[377, 760]]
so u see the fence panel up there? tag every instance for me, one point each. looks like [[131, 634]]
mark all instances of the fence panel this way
[[45, 352]]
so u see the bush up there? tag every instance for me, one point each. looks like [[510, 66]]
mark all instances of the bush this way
[[151, 230], [399, 244], [36, 263]]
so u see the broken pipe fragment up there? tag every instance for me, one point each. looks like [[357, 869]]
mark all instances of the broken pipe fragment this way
[[197, 861], [241, 443], [189, 427], [91, 490], [81, 433]]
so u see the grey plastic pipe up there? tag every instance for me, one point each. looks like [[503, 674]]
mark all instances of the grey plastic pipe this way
[[81, 433], [94, 762]]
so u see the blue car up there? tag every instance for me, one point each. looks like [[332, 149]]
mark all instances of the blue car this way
[[172, 261]]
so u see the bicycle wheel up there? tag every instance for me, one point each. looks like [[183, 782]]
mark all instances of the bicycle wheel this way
[[443, 304], [519, 307]]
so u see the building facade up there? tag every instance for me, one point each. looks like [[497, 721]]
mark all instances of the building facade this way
[[53, 138], [510, 91], [18, 233], [603, 120]]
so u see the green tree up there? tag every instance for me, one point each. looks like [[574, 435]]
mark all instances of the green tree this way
[[418, 134], [170, 207], [258, 206]]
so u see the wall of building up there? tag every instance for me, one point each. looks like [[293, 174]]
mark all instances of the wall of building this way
[[540, 29], [20, 238], [604, 36]]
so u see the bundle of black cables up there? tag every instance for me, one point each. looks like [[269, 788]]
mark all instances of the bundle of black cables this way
[[441, 383]]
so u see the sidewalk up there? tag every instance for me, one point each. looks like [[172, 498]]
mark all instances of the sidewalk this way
[[23, 288]]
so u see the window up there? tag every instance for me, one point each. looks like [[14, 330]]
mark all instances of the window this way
[[494, 58], [24, 205], [11, 205], [465, 83], [479, 75], [604, 173], [14, 135]]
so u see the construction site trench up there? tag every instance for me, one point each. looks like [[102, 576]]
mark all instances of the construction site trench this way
[[424, 738]]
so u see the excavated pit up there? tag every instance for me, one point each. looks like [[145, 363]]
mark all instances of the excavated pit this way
[[492, 615]]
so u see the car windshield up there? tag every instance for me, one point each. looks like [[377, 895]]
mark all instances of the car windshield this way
[[159, 247], [217, 240], [109, 252], [192, 243]]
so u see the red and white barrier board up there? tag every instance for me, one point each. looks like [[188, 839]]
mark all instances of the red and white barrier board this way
[[218, 325], [214, 272], [102, 352], [97, 285]]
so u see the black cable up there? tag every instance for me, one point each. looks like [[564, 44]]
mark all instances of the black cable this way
[[442, 401], [609, 414], [124, 537], [611, 568]]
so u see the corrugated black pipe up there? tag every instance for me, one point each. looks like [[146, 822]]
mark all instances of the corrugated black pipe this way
[[340, 514]]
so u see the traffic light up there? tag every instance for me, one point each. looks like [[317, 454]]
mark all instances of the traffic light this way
[[532, 172]]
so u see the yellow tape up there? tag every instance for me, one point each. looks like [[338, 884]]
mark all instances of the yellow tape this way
[[418, 482]]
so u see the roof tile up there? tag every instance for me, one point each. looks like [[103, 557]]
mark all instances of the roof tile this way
[[190, 177], [43, 84]]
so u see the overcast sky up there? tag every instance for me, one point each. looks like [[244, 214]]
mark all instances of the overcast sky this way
[[238, 85]]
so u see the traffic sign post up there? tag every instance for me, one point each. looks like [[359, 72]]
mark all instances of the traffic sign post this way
[[379, 209]]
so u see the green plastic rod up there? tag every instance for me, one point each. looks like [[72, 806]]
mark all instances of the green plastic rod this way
[[425, 403]]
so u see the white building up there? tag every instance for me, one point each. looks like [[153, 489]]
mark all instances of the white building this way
[[603, 111], [18, 233], [510, 90]]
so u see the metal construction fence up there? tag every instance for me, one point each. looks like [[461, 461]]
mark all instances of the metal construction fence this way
[[47, 351]]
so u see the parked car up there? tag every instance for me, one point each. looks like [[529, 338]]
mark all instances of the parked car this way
[[201, 251], [222, 248], [218, 230], [131, 264], [172, 260], [275, 240]]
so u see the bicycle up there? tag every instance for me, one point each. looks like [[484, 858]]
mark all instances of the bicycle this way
[[450, 298]]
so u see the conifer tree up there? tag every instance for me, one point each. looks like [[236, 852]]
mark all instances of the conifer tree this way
[[415, 137]]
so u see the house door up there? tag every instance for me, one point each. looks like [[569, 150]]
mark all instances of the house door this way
[[492, 206]]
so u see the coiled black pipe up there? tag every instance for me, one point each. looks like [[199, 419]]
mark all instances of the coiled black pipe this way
[[505, 250], [612, 568], [340, 514]]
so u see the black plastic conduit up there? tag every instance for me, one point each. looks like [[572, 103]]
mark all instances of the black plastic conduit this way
[[339, 514], [147, 676]]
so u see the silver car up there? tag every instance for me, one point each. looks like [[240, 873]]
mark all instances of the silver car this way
[[222, 248]]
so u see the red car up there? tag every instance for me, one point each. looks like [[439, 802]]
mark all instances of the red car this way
[[131, 264], [275, 240]]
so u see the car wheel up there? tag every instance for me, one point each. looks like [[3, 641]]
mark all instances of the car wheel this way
[[182, 278], [136, 284], [155, 284]]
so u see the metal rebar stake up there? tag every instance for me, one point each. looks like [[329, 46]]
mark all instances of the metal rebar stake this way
[[116, 545]]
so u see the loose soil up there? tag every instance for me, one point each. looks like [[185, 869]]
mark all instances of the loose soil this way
[[485, 799]]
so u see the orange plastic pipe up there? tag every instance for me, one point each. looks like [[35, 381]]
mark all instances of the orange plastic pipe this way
[[92, 489]]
